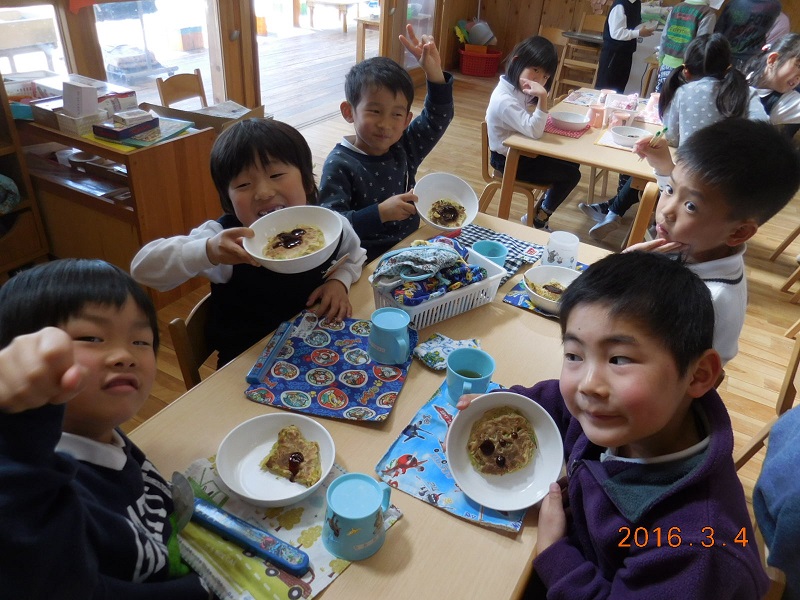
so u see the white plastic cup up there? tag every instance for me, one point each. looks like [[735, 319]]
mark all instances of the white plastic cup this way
[[561, 250]]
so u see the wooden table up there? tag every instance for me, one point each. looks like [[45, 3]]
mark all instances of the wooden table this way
[[428, 552], [362, 26], [342, 5], [582, 150]]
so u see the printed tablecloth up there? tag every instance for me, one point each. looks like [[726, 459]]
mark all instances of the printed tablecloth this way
[[324, 369], [417, 465]]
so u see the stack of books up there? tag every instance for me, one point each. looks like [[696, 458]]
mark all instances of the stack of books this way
[[126, 124]]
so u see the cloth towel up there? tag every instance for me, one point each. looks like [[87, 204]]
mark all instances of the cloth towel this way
[[434, 351]]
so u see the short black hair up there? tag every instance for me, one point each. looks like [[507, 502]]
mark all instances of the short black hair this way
[[755, 168], [376, 73], [534, 51], [659, 293], [265, 141], [48, 295]]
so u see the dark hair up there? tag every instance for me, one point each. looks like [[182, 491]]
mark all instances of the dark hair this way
[[659, 293], [49, 295], [787, 47], [264, 140], [375, 73], [534, 51], [754, 167], [709, 55]]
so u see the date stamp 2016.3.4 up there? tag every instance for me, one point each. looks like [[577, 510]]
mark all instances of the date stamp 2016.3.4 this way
[[673, 537]]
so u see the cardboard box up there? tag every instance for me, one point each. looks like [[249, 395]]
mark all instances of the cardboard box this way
[[79, 100], [79, 126], [119, 131], [217, 117], [111, 98], [45, 111]]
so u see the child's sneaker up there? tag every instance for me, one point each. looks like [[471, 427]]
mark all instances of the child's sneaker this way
[[609, 224], [596, 212], [541, 219]]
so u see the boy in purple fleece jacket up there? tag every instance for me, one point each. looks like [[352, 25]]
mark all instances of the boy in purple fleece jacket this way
[[656, 509]]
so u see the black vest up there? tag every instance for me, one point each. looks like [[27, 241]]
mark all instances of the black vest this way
[[255, 301], [633, 16]]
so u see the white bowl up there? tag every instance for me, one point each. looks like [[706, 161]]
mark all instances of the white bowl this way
[[436, 186], [287, 219], [542, 274], [512, 491], [569, 121], [627, 136], [241, 452]]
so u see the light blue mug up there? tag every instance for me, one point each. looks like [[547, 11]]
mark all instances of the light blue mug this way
[[494, 251], [353, 528], [388, 336], [469, 371]]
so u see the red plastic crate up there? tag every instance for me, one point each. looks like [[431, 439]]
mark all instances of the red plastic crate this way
[[480, 65]]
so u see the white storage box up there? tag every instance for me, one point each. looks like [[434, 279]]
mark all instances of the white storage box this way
[[452, 303]]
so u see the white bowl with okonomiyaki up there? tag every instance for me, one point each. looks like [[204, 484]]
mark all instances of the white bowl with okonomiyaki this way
[[504, 451], [445, 201], [276, 459], [295, 239]]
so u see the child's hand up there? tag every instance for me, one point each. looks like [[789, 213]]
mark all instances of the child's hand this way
[[645, 31], [38, 369], [334, 304], [535, 90], [657, 155], [225, 248], [552, 519], [465, 400], [426, 53], [398, 208], [658, 245]]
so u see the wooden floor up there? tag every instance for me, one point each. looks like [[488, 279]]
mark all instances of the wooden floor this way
[[753, 378]]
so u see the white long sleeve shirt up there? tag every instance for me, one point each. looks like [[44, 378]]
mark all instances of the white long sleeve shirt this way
[[166, 263], [618, 24], [508, 114]]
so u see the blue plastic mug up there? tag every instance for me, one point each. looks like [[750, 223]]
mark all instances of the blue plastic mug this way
[[494, 251], [388, 336], [353, 528], [469, 371]]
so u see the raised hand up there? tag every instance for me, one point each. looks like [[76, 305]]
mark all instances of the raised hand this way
[[427, 54], [225, 248]]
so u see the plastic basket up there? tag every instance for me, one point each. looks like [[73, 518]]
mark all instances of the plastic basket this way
[[452, 303], [480, 65]]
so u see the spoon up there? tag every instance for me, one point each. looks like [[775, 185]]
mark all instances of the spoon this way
[[240, 532]]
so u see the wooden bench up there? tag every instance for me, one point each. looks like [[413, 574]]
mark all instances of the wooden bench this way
[[343, 6]]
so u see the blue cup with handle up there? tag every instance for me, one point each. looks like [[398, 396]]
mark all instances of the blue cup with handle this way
[[388, 336], [469, 371], [353, 528], [494, 251]]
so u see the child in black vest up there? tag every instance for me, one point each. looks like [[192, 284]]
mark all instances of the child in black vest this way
[[258, 166], [620, 33]]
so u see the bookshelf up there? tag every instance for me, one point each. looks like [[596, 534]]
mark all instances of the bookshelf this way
[[164, 190], [22, 239]]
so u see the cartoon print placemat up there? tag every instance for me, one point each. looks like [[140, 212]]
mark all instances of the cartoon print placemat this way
[[416, 464], [324, 369], [235, 575], [519, 252], [518, 296]]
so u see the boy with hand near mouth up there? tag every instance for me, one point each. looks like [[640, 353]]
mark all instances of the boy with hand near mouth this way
[[730, 178]]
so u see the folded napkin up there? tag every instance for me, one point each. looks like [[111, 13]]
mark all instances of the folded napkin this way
[[519, 252], [420, 259], [417, 465], [551, 127], [232, 575], [434, 351]]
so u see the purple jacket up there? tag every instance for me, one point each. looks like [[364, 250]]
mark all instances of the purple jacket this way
[[614, 548]]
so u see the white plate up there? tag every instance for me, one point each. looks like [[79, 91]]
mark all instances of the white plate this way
[[435, 186], [241, 452], [513, 491]]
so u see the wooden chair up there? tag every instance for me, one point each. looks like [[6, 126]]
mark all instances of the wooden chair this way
[[189, 339], [181, 86], [555, 36], [785, 400], [494, 180], [580, 59], [644, 214]]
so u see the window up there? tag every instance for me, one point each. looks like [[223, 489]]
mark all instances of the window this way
[[29, 42]]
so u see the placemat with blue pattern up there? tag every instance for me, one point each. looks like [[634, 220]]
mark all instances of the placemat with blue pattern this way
[[324, 369], [518, 296], [519, 252], [417, 465]]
